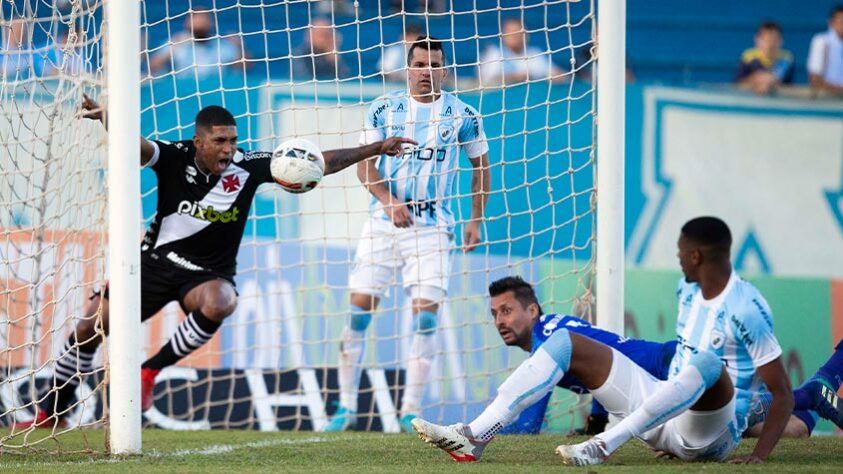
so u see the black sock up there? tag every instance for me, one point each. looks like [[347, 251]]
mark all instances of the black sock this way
[[191, 334]]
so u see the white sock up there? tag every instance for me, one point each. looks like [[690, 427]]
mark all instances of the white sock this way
[[352, 347], [673, 397], [532, 380], [422, 352]]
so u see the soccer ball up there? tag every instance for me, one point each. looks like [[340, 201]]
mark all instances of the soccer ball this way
[[297, 165]]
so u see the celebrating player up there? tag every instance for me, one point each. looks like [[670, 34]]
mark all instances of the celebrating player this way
[[205, 189], [726, 350], [411, 223]]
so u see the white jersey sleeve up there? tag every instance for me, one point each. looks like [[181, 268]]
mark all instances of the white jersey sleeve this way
[[816, 54], [471, 136], [753, 326], [374, 124]]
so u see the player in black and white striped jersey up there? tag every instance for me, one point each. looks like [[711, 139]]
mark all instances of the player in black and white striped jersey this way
[[205, 189]]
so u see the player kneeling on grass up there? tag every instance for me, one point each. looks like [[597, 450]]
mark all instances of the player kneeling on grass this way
[[726, 349], [205, 190]]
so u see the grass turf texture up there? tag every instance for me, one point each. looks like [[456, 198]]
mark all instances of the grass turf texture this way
[[240, 451]]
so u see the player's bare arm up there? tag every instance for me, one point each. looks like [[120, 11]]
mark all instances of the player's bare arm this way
[[480, 184], [775, 378], [371, 178], [93, 111], [337, 160]]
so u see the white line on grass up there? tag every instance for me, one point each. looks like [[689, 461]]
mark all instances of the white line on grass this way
[[154, 454]]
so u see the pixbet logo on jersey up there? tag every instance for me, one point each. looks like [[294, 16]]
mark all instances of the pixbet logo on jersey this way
[[209, 214]]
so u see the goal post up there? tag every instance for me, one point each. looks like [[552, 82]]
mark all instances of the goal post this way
[[611, 114], [122, 84], [78, 205]]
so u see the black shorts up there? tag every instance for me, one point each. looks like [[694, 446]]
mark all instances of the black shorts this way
[[162, 282]]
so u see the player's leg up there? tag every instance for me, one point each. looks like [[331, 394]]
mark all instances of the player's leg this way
[[207, 303], [703, 385], [819, 392], [427, 266], [74, 362], [563, 351], [422, 354], [349, 368], [800, 425], [372, 273]]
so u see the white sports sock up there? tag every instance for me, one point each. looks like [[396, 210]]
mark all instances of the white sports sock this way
[[422, 352], [671, 399], [353, 345], [532, 380]]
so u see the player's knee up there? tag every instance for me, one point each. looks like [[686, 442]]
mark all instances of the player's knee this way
[[558, 346], [708, 365], [220, 306], [425, 322], [360, 319]]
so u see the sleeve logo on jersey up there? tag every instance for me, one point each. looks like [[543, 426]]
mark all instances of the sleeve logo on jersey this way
[[377, 112], [230, 183], [743, 331], [209, 214]]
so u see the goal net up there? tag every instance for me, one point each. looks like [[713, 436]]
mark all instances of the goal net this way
[[52, 224], [304, 69]]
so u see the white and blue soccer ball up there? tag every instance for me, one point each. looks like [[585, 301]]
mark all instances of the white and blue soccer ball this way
[[297, 165]]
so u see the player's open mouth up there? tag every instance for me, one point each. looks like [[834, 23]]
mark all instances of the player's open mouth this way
[[221, 165]]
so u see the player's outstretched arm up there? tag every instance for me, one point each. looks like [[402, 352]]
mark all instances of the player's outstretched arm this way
[[775, 377], [337, 160], [480, 184], [93, 111]]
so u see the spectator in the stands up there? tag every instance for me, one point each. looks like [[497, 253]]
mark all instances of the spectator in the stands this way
[[766, 66], [197, 50], [825, 58], [393, 63], [515, 61], [318, 57], [18, 62]]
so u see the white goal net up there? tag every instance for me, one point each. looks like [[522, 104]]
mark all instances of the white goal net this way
[[305, 69]]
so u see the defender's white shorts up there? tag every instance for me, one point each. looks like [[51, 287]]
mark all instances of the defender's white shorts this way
[[420, 255], [693, 435]]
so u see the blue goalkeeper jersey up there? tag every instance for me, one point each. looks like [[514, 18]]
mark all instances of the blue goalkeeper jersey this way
[[653, 357]]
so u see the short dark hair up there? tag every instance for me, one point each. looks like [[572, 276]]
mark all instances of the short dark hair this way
[[834, 11], [708, 231], [769, 26], [522, 290], [428, 43], [214, 115]]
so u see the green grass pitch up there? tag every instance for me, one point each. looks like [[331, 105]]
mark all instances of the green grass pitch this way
[[246, 452]]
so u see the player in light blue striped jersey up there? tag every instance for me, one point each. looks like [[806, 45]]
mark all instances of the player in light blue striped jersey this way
[[411, 226]]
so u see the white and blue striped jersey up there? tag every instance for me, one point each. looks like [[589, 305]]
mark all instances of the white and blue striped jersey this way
[[425, 176], [736, 325]]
